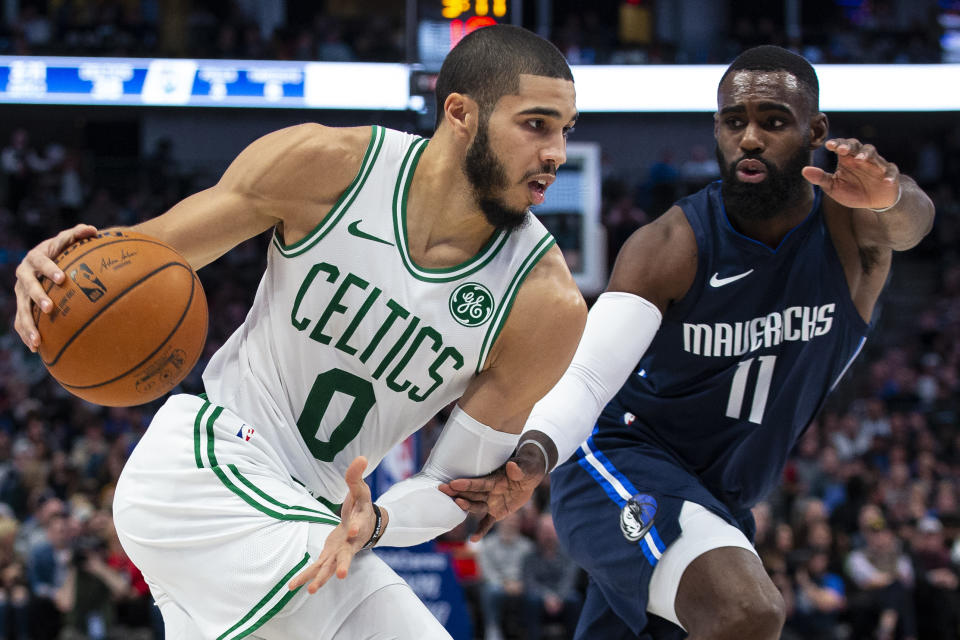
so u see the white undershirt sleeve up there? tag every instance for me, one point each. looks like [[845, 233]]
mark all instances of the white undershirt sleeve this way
[[418, 510], [620, 327]]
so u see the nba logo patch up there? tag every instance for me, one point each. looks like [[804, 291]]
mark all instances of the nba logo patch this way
[[636, 517], [628, 418], [245, 433]]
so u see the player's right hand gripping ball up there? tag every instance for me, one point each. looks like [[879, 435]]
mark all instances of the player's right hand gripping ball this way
[[128, 323]]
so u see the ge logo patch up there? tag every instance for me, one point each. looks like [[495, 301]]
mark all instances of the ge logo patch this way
[[636, 517], [471, 304]]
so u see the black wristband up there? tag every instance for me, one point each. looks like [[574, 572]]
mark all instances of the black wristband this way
[[377, 528]]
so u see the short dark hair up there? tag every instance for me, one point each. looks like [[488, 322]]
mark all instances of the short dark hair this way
[[772, 58], [486, 65]]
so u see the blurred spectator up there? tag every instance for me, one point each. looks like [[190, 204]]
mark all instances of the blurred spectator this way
[[331, 46], [937, 599], [829, 483], [73, 190], [20, 163], [662, 187], [762, 517], [90, 449], [501, 556], [699, 169], [92, 588], [896, 491], [14, 595], [783, 539], [48, 565], [805, 465], [875, 422], [849, 440], [819, 598], [35, 27], [33, 531], [550, 584], [12, 492], [621, 217], [883, 575]]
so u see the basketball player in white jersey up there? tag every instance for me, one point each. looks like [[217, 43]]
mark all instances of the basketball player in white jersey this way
[[403, 274]]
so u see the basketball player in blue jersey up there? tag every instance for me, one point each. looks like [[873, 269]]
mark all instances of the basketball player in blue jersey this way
[[725, 324], [403, 274]]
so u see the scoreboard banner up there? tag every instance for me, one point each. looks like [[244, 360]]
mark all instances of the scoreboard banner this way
[[203, 83], [380, 86], [843, 87]]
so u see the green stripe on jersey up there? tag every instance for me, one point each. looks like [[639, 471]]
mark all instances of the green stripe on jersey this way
[[503, 311], [377, 135], [247, 625], [446, 274]]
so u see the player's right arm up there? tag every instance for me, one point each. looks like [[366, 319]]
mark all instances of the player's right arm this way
[[291, 178], [655, 267]]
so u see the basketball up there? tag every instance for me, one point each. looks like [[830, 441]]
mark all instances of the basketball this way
[[128, 323]]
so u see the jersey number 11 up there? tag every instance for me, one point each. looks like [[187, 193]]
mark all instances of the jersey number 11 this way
[[760, 391]]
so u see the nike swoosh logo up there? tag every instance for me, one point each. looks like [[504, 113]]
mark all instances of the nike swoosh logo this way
[[717, 281], [354, 230]]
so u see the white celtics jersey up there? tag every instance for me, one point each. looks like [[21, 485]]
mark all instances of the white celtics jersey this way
[[350, 346]]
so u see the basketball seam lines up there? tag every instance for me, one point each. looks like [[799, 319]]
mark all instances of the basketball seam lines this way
[[193, 285]]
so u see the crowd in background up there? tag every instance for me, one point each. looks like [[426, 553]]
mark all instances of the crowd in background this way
[[862, 537], [606, 32]]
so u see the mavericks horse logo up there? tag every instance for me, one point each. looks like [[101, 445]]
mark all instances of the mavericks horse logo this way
[[471, 304], [636, 516]]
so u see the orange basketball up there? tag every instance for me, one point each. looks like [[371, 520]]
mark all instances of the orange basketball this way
[[129, 320]]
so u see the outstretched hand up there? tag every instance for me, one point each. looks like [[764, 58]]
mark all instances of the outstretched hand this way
[[863, 179], [355, 528], [38, 263], [498, 494]]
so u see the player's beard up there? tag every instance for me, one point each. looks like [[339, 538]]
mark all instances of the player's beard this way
[[488, 180], [763, 200]]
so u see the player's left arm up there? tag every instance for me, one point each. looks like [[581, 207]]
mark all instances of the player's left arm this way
[[890, 211], [532, 351], [529, 356]]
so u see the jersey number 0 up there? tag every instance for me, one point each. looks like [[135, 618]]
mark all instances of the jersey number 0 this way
[[318, 401]]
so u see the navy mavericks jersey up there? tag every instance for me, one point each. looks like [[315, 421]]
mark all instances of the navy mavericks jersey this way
[[743, 362]]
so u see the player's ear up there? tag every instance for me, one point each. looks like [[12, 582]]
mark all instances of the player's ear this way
[[461, 112], [819, 127]]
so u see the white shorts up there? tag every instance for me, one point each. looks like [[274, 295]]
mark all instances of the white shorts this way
[[702, 531], [218, 527]]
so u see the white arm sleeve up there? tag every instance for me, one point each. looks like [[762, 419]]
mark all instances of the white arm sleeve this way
[[620, 327], [418, 510]]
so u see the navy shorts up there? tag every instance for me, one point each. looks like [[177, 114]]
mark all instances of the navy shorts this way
[[616, 505]]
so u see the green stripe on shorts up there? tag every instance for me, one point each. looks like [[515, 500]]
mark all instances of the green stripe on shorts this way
[[247, 625], [231, 477]]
